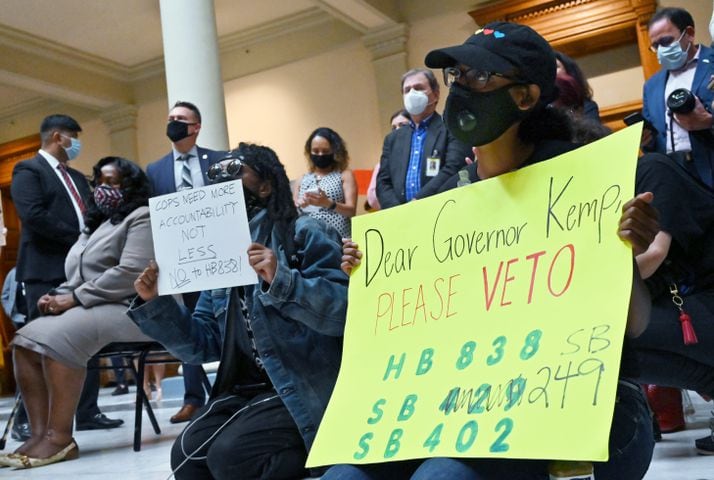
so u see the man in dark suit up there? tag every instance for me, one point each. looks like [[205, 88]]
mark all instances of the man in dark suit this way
[[687, 137], [183, 168], [418, 159], [50, 199], [166, 174]]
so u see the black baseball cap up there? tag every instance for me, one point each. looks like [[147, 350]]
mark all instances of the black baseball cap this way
[[503, 47]]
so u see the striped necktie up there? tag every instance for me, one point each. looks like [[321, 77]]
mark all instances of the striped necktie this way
[[72, 190], [186, 180]]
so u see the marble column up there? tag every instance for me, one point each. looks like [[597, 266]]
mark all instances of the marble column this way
[[192, 63]]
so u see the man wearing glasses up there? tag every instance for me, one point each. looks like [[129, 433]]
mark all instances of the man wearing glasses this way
[[683, 122], [416, 160]]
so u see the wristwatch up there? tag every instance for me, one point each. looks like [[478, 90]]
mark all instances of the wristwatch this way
[[333, 206]]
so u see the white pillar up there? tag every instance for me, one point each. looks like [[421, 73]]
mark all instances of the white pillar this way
[[192, 64]]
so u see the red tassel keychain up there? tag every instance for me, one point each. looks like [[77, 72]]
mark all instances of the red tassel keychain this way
[[690, 337]]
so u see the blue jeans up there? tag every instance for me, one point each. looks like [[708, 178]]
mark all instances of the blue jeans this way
[[631, 444]]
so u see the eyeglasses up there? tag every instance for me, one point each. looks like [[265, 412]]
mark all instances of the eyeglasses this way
[[470, 78], [665, 41], [229, 168]]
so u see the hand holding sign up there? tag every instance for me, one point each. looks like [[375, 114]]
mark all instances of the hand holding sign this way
[[263, 261], [350, 255], [147, 284], [638, 224]]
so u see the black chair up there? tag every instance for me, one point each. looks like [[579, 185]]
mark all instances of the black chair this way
[[144, 353]]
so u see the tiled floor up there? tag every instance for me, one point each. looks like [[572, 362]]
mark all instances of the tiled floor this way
[[107, 454]]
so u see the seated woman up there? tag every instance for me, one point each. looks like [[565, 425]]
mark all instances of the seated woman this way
[[328, 192], [502, 85], [85, 313]]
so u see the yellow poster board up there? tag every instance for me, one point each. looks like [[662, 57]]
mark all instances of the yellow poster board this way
[[488, 321]]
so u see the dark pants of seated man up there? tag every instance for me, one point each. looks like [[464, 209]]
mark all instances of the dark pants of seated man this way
[[260, 442]]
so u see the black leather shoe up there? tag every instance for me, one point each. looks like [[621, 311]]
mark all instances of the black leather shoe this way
[[99, 422], [120, 390], [21, 432]]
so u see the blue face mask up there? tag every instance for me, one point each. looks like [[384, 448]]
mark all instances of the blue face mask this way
[[672, 57], [74, 149]]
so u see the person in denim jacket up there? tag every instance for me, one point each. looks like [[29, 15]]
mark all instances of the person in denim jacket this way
[[279, 341]]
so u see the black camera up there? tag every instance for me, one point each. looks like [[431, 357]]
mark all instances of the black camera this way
[[681, 101], [227, 169]]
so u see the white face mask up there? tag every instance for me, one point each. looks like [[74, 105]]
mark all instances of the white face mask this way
[[415, 101]]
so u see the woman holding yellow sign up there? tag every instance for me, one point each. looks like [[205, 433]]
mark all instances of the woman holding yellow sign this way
[[501, 81]]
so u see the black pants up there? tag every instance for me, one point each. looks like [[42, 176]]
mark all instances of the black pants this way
[[259, 440], [194, 393], [665, 359]]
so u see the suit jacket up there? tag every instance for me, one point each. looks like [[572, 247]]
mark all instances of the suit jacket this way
[[49, 221], [391, 180], [655, 110], [101, 267], [161, 172]]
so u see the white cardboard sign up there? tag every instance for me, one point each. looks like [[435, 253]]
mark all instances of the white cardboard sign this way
[[201, 237]]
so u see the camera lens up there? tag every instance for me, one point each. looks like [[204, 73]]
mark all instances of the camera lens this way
[[214, 171], [681, 101], [234, 168]]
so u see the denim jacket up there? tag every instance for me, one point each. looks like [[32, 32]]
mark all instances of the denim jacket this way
[[298, 321]]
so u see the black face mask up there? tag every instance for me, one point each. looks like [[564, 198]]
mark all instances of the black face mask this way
[[323, 161], [176, 130], [253, 203], [478, 118]]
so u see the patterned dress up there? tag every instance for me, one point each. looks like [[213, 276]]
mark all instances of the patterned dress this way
[[331, 184]]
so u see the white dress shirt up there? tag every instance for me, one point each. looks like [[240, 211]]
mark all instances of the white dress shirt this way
[[54, 163]]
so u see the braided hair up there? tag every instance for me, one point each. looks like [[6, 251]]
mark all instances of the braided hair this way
[[265, 162]]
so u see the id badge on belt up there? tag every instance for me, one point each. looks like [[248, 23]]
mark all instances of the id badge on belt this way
[[432, 164]]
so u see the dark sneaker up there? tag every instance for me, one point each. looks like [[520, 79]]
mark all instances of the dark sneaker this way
[[120, 390], [705, 446]]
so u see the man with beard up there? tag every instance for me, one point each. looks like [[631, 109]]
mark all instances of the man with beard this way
[[279, 341]]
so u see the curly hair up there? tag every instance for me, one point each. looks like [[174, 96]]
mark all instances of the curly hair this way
[[265, 162], [135, 187], [339, 148]]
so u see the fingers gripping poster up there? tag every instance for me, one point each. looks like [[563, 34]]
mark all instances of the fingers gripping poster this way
[[488, 321]]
